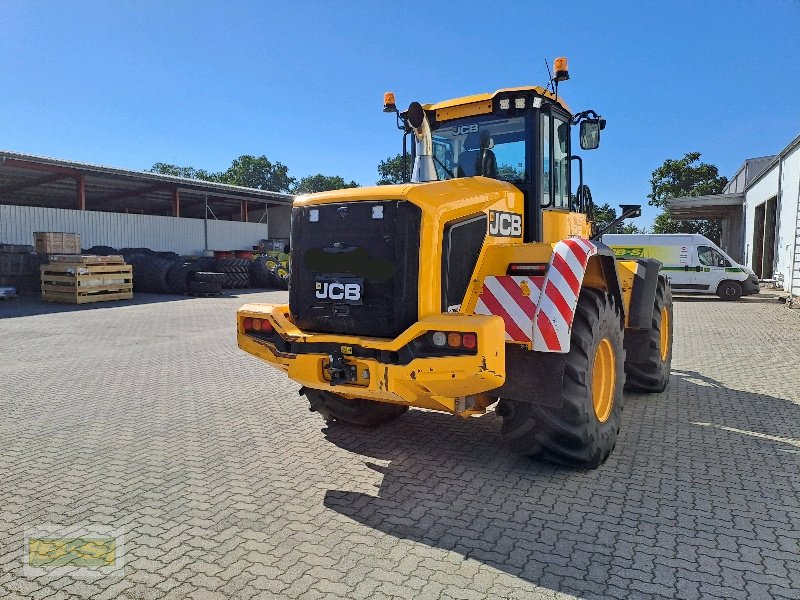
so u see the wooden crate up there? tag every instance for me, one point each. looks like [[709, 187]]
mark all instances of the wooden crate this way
[[87, 259], [80, 283], [56, 242]]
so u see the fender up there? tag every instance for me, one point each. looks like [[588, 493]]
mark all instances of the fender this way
[[538, 310]]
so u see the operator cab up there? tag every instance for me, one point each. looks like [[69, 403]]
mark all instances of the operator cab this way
[[518, 135]]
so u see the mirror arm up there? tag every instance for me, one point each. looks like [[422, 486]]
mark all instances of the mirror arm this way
[[628, 211], [405, 157]]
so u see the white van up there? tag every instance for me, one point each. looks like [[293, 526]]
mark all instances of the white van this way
[[691, 262]]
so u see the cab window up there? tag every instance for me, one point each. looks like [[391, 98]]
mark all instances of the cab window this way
[[481, 146], [547, 196], [710, 257], [560, 163]]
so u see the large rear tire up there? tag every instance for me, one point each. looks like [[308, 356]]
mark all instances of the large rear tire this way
[[355, 411], [651, 369], [582, 432]]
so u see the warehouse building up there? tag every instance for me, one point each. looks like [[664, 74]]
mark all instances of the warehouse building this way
[[760, 214], [128, 209]]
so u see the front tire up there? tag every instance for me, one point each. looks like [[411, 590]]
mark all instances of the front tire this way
[[582, 432], [352, 411], [729, 290], [650, 373]]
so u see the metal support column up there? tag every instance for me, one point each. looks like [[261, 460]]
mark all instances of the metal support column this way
[[176, 202], [80, 190], [205, 221]]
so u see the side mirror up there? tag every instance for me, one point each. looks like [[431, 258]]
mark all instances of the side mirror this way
[[590, 134]]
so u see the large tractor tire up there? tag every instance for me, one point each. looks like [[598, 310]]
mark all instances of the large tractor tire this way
[[179, 276], [650, 372], [260, 275], [361, 412], [582, 432]]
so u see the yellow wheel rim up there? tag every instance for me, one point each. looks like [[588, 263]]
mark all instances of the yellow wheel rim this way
[[665, 341], [604, 380]]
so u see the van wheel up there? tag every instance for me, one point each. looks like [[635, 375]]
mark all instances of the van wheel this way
[[650, 372], [583, 431], [729, 290], [353, 411]]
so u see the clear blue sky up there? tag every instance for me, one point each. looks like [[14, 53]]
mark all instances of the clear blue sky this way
[[199, 83]]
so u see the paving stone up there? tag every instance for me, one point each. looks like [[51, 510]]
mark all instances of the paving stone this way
[[146, 417]]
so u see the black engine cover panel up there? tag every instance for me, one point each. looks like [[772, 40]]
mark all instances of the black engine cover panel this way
[[347, 242]]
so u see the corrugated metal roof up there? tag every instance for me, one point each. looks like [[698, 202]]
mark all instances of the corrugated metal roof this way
[[704, 207], [755, 179], [218, 189]]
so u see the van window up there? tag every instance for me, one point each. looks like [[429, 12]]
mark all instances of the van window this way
[[710, 257]]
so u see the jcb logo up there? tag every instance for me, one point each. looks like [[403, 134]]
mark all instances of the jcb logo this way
[[465, 129], [334, 290], [505, 224]]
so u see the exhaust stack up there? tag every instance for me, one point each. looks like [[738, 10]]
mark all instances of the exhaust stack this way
[[423, 162]]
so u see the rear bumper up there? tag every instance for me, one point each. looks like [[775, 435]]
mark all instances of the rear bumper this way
[[440, 382]]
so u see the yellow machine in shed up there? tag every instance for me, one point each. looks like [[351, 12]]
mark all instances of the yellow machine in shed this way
[[479, 281]]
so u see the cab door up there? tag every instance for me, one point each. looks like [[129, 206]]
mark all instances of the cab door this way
[[709, 268]]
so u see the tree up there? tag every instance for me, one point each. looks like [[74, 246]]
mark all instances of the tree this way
[[188, 172], [605, 213], [259, 173], [682, 177], [391, 170], [321, 183]]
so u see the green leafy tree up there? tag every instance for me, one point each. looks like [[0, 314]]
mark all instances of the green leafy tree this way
[[685, 177], [321, 183], [188, 172], [259, 173], [391, 170]]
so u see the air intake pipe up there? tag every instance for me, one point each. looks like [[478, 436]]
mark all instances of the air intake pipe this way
[[423, 161]]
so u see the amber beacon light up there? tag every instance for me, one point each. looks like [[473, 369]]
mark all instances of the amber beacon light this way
[[561, 69], [389, 102]]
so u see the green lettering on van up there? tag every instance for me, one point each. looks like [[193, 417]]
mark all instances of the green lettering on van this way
[[637, 252]]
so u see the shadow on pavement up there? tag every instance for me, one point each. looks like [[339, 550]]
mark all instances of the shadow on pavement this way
[[700, 473]]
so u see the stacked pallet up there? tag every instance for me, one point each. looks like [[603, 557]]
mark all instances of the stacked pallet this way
[[56, 242], [82, 278]]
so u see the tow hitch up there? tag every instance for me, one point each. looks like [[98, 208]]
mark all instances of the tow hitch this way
[[339, 370]]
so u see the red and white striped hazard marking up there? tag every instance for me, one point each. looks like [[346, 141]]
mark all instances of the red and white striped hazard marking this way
[[539, 310], [514, 298]]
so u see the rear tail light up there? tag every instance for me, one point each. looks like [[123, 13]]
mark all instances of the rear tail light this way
[[469, 341], [439, 338], [453, 339], [253, 324]]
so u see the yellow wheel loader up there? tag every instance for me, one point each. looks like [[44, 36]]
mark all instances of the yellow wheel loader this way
[[479, 281]]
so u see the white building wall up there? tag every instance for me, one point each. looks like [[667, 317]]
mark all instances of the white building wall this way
[[787, 213], [119, 230], [766, 188], [788, 168]]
